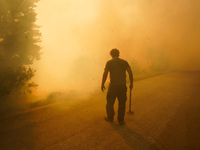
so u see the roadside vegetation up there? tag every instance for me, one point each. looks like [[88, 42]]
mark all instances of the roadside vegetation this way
[[156, 65], [19, 49]]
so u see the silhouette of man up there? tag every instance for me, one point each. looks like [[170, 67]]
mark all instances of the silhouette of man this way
[[117, 88]]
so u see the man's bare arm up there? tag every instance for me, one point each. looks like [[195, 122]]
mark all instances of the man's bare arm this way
[[105, 74], [130, 77]]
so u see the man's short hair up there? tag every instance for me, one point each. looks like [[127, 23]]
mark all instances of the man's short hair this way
[[114, 52]]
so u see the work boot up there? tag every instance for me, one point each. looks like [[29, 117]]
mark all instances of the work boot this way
[[121, 122], [107, 119]]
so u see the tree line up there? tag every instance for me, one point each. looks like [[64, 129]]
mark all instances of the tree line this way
[[19, 46]]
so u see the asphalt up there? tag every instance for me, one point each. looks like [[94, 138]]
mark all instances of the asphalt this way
[[166, 116]]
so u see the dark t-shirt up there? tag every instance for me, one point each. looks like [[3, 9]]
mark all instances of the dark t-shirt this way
[[117, 68]]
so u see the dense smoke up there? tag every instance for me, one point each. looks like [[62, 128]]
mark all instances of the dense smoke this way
[[78, 35]]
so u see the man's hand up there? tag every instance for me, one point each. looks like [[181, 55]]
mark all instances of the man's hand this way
[[131, 85], [103, 87]]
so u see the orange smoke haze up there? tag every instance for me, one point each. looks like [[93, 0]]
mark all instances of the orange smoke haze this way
[[78, 35]]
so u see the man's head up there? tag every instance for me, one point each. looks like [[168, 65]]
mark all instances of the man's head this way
[[114, 52]]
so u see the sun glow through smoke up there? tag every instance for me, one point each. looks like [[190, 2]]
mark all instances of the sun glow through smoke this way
[[62, 25]]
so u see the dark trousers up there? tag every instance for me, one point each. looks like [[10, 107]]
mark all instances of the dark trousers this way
[[119, 92]]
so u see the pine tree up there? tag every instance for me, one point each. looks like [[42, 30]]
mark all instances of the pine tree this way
[[19, 39]]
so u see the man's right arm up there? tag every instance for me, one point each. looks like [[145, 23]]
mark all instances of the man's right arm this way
[[130, 77], [105, 74]]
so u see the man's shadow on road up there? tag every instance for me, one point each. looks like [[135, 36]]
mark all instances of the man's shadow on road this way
[[133, 139]]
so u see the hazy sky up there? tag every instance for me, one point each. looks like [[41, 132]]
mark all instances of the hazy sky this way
[[78, 35]]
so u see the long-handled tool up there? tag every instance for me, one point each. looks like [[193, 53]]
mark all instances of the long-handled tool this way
[[130, 104]]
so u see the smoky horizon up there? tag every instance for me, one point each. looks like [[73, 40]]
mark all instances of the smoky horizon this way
[[77, 38]]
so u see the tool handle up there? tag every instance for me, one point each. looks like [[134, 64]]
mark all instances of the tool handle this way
[[130, 102]]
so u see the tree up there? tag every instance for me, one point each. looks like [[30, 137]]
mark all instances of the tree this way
[[19, 39]]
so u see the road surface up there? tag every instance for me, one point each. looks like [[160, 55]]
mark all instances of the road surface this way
[[166, 117]]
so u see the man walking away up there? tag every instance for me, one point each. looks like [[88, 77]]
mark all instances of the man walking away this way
[[117, 88]]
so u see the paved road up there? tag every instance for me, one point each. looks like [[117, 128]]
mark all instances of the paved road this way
[[166, 116]]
